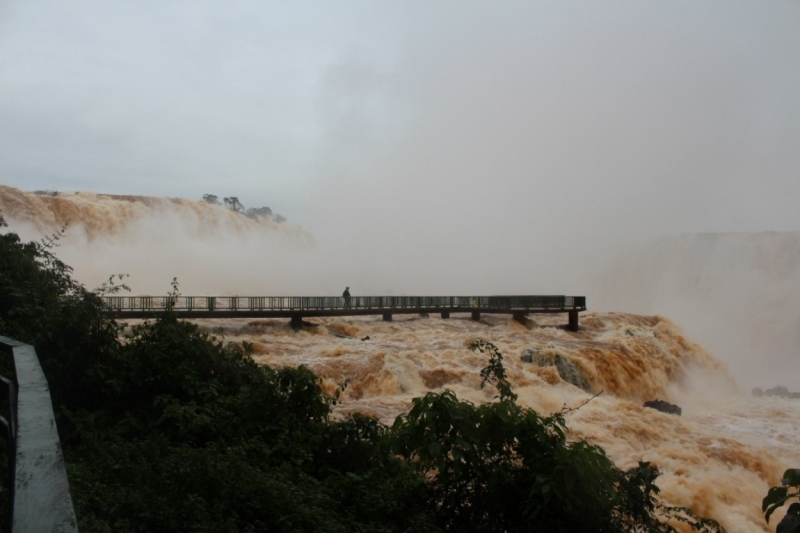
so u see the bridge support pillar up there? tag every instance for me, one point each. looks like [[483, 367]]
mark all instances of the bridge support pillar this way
[[519, 316], [573, 321], [387, 317], [297, 322], [476, 315], [445, 314]]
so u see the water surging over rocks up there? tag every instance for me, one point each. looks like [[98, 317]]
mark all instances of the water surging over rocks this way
[[719, 457]]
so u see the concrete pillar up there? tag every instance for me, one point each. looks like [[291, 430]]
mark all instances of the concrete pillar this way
[[445, 314], [297, 322], [573, 321], [387, 317], [476, 315]]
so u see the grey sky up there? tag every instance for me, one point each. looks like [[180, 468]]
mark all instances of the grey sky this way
[[461, 121]]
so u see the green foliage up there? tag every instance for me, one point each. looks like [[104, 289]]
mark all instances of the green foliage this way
[[40, 304], [778, 496], [211, 199], [200, 428], [169, 430]]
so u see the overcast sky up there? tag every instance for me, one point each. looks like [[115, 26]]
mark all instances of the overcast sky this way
[[455, 122]]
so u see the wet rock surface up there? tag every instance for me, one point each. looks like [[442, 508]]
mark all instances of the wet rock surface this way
[[664, 407], [567, 369]]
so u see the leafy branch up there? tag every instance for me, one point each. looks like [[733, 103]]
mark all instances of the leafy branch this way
[[172, 295], [494, 372], [111, 286], [778, 496]]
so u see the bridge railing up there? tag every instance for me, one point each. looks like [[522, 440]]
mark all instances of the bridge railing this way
[[40, 497], [302, 303]]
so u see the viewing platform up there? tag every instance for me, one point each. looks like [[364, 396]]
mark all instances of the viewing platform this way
[[296, 308]]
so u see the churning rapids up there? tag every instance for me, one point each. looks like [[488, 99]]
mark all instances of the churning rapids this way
[[719, 458]]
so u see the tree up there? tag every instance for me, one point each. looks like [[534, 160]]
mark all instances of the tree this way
[[233, 204], [211, 199], [280, 219], [255, 212]]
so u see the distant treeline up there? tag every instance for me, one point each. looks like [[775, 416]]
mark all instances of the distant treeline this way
[[233, 203]]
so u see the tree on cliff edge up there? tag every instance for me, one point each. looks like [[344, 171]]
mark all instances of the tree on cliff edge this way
[[233, 204]]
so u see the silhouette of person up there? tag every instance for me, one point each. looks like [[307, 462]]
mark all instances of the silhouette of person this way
[[346, 296]]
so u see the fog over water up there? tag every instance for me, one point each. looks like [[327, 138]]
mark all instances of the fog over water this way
[[644, 155]]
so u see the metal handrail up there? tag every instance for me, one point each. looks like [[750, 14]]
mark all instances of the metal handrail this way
[[40, 495], [318, 303]]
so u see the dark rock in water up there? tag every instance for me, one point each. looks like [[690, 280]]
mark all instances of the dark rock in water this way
[[664, 407], [365, 338], [567, 369]]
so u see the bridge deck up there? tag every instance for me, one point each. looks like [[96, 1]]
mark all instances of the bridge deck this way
[[298, 307]]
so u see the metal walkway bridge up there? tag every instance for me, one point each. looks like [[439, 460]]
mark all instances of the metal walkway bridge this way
[[298, 307]]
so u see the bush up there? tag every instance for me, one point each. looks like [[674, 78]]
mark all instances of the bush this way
[[778, 496]]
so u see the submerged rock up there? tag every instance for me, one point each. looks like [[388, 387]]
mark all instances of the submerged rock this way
[[664, 407], [567, 369]]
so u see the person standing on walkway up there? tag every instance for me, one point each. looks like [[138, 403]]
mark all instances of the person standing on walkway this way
[[346, 296]]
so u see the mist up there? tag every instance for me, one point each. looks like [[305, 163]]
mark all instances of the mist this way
[[428, 149]]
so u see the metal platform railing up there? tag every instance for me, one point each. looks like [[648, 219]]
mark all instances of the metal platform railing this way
[[40, 497], [318, 303]]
